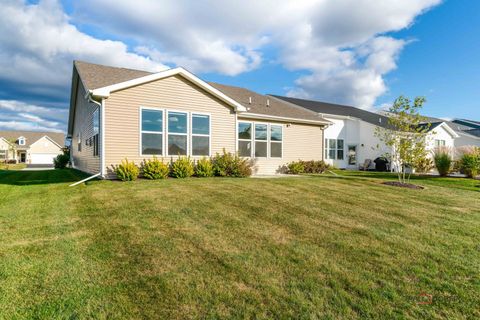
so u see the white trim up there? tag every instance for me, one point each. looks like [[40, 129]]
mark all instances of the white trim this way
[[106, 91], [267, 141], [45, 136], [284, 119], [448, 129], [140, 118], [237, 139], [270, 138], [209, 135], [86, 179]]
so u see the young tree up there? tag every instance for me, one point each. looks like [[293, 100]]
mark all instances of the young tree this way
[[406, 135]]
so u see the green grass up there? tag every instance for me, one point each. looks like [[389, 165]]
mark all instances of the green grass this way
[[309, 247]]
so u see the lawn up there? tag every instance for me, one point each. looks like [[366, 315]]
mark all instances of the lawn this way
[[309, 247]]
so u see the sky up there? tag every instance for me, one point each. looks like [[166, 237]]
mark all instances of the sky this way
[[363, 53]]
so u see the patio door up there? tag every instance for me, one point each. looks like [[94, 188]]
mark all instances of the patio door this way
[[352, 155]]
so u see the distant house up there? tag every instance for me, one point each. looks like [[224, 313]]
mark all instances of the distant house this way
[[30, 147], [118, 113], [468, 131], [350, 141]]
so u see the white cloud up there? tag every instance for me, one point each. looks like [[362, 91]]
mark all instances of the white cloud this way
[[31, 117], [340, 44], [26, 126]]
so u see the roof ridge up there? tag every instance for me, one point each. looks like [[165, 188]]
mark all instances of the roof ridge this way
[[113, 67]]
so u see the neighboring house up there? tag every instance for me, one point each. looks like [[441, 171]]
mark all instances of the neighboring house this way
[[30, 147], [351, 141], [469, 132], [118, 113]]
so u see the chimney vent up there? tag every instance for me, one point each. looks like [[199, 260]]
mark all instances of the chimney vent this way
[[268, 102], [250, 100]]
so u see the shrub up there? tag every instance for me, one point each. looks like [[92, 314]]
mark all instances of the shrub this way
[[295, 167], [443, 162], [231, 165], [127, 171], [61, 161], [313, 166], [182, 168], [469, 164], [204, 168], [424, 165], [155, 169]]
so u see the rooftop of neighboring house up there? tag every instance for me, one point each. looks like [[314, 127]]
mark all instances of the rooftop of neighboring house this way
[[95, 76], [460, 126], [30, 137], [326, 108]]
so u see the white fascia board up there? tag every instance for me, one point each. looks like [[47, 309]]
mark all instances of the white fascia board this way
[[285, 119], [449, 130], [47, 137], [106, 91]]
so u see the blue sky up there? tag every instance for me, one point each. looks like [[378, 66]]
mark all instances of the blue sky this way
[[358, 52]]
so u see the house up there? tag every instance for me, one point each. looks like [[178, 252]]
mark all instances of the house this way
[[350, 142], [118, 113], [38, 148], [468, 131]]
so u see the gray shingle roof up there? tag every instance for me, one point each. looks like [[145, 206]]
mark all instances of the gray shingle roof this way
[[337, 109], [96, 76], [31, 137]]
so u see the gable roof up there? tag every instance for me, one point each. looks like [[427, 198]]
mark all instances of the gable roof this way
[[325, 108], [101, 80], [461, 127], [256, 105], [440, 124], [31, 137]]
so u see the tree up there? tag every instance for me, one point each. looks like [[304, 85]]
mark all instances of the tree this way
[[406, 135]]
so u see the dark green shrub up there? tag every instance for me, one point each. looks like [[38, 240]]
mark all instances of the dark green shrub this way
[[204, 168], [231, 165], [443, 162], [313, 166], [127, 171], [155, 169], [62, 160], [295, 167], [469, 164], [182, 168]]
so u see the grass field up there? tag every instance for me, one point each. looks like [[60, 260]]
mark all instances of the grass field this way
[[311, 247]]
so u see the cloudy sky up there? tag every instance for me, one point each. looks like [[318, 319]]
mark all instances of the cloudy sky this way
[[358, 52]]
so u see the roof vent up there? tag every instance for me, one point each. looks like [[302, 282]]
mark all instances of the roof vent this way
[[268, 102], [250, 100]]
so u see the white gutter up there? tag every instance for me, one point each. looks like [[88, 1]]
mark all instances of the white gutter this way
[[102, 135], [284, 119], [86, 179]]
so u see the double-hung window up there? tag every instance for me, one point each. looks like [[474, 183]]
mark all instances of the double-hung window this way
[[200, 134], [177, 133], [276, 138], [261, 143], [152, 132], [334, 149], [439, 143], [245, 139]]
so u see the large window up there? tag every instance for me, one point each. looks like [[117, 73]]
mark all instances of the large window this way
[[3, 155], [200, 135], [177, 133], [152, 132], [96, 129], [334, 149], [260, 139], [244, 139]]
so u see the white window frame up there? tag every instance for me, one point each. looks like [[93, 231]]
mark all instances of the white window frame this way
[[251, 138], [4, 153], [140, 148], [266, 141], [21, 141], [274, 141], [209, 135], [439, 143], [187, 152], [328, 149]]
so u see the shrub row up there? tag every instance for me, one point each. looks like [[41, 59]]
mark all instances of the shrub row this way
[[468, 162], [222, 165], [312, 166]]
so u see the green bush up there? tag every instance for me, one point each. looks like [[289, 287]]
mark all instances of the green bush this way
[[155, 169], [313, 166], [127, 171], [182, 168], [469, 164], [231, 165], [204, 168], [295, 167], [443, 162], [62, 160]]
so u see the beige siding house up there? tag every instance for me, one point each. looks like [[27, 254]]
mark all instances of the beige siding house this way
[[118, 113], [38, 148]]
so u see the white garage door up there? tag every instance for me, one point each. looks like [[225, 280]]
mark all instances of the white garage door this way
[[42, 158]]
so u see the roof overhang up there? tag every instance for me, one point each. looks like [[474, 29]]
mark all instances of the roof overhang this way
[[103, 93], [448, 129], [322, 123]]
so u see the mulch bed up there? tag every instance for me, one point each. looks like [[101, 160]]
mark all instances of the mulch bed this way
[[403, 185]]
